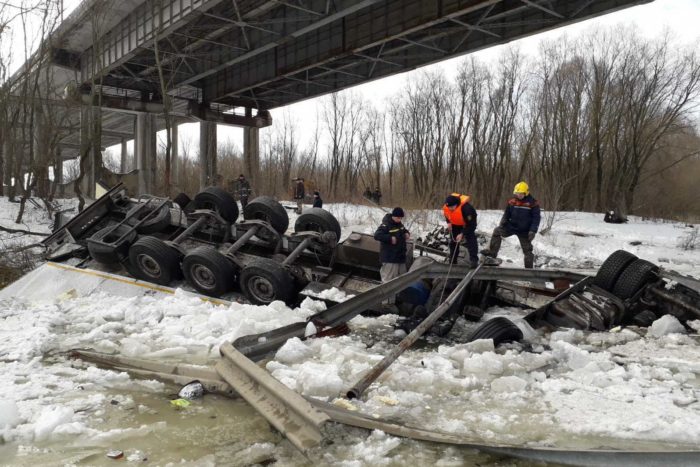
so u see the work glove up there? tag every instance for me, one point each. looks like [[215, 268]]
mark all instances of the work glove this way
[[531, 235]]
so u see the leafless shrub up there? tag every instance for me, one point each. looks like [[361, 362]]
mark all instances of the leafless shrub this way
[[690, 240]]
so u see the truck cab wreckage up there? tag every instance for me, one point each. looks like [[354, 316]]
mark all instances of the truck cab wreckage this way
[[199, 241]]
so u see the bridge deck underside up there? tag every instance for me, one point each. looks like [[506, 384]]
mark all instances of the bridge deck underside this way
[[265, 54]]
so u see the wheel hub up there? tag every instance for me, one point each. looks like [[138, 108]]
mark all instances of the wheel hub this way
[[261, 288], [203, 276], [149, 265]]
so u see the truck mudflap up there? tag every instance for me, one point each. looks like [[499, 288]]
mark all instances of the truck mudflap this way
[[258, 346], [182, 374]]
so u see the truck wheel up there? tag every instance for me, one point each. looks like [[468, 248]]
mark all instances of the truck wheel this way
[[111, 253], [500, 329], [611, 269], [182, 200], [267, 209], [154, 261], [638, 274], [208, 271], [156, 223], [644, 319], [263, 281], [317, 220], [215, 199]]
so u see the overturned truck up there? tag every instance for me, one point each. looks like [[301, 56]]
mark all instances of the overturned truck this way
[[202, 243]]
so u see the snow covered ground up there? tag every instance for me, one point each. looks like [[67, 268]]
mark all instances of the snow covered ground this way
[[627, 389]]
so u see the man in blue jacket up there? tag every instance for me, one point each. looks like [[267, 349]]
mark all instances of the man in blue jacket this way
[[392, 236], [521, 218]]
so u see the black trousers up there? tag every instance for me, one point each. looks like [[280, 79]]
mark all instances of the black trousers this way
[[469, 239]]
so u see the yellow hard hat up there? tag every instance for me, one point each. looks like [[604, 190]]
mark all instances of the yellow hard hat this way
[[521, 188]]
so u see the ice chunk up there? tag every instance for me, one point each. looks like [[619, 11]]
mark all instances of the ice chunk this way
[[320, 380], [667, 324], [573, 356], [310, 329], [480, 346], [293, 351], [488, 363], [50, 418], [695, 324], [9, 414], [508, 384]]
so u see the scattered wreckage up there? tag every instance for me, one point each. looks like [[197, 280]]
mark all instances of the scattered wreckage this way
[[162, 241]]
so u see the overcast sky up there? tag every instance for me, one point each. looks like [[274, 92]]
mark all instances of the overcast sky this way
[[680, 16]]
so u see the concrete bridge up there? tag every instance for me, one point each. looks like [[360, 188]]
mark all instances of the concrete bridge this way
[[229, 62]]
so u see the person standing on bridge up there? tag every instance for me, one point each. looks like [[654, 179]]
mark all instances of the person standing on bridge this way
[[461, 226], [521, 218]]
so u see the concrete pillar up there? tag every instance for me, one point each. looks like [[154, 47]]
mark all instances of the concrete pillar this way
[[90, 148], [58, 173], [174, 155], [251, 155], [207, 154], [145, 152], [123, 163]]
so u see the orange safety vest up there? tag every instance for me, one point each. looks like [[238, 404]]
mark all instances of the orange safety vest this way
[[455, 217]]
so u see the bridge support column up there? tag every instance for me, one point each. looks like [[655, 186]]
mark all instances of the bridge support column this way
[[90, 148], [145, 151], [123, 162], [207, 154], [174, 156], [251, 155], [58, 173]]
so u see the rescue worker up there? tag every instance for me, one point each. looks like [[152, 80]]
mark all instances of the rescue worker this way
[[318, 202], [243, 190], [521, 218], [299, 193], [461, 225], [392, 236]]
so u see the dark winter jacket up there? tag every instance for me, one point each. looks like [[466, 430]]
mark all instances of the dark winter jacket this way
[[318, 202], [389, 253], [521, 216], [243, 188], [299, 191]]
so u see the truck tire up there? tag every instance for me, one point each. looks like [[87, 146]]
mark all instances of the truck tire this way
[[154, 261], [643, 319], [317, 220], [208, 271], [267, 209], [638, 274], [112, 253], [156, 223], [215, 199], [500, 329], [263, 281], [611, 269], [182, 200]]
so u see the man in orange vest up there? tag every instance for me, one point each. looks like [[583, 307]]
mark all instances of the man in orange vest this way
[[461, 224]]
